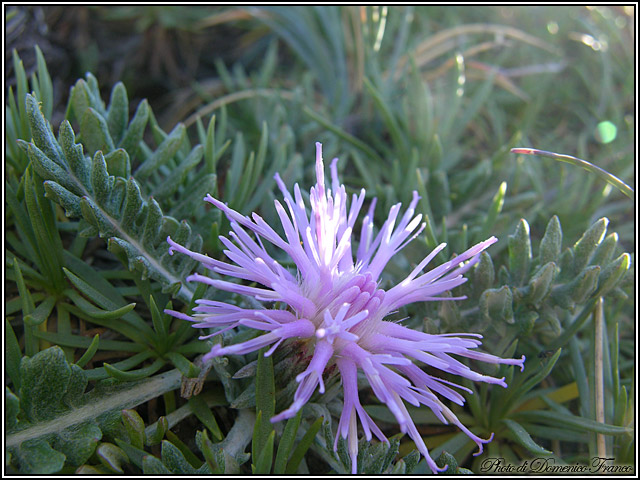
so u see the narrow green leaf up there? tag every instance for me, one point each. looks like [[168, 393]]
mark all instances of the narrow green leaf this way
[[134, 425], [178, 456], [522, 437], [41, 313], [166, 150], [13, 355], [134, 133], [88, 355], [201, 410], [265, 459], [571, 421], [590, 167], [134, 374], [286, 444], [88, 308], [265, 402], [303, 446]]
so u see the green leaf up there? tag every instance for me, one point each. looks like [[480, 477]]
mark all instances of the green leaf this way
[[88, 355], [166, 150], [520, 252], [497, 304], [37, 457], [201, 410], [265, 402], [586, 246], [286, 444], [112, 456], [152, 466], [540, 284], [572, 422], [612, 274], [551, 243], [134, 425], [303, 446], [114, 207], [175, 460], [522, 437], [45, 377], [95, 132], [263, 463], [118, 112]]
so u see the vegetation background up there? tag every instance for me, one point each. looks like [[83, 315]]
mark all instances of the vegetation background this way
[[173, 102]]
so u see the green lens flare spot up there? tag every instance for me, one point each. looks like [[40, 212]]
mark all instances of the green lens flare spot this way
[[606, 132]]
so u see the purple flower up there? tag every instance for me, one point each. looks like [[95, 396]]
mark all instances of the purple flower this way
[[334, 300]]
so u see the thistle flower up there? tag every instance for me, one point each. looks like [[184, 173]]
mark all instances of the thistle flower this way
[[334, 300]]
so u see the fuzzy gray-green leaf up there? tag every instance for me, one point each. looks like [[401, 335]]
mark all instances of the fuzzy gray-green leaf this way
[[586, 246], [551, 243], [95, 132], [118, 112], [520, 252], [497, 304]]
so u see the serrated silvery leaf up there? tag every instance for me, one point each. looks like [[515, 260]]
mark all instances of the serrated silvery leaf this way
[[135, 222]]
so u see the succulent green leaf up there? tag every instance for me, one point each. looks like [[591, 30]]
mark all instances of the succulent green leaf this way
[[158, 431], [134, 425]]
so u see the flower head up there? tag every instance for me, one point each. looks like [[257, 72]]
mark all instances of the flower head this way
[[334, 300]]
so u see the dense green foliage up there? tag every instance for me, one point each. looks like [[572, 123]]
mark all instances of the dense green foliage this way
[[100, 380]]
